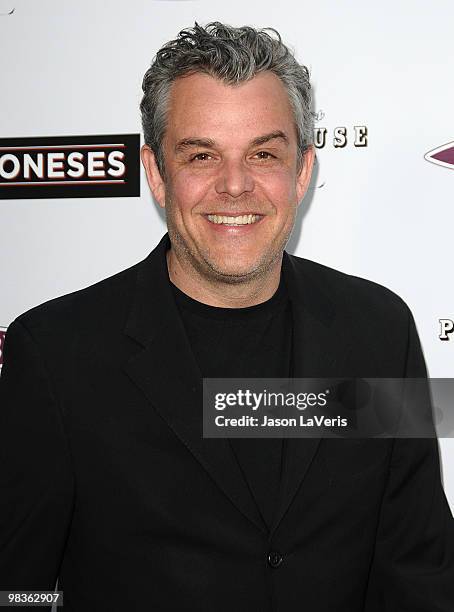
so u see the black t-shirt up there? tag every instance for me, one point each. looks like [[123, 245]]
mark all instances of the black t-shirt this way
[[250, 342]]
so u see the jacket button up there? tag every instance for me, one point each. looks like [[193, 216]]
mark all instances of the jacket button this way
[[274, 559]]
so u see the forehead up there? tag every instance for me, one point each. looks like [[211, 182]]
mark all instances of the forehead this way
[[201, 105]]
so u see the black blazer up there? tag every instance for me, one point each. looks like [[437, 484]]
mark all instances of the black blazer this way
[[108, 485]]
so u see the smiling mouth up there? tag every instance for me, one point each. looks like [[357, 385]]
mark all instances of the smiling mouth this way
[[234, 220]]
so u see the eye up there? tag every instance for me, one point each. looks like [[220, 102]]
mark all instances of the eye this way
[[264, 155], [200, 157]]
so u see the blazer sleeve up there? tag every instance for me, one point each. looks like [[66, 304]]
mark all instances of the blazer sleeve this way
[[36, 478], [413, 564]]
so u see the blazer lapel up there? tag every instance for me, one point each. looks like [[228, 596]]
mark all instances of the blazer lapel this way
[[167, 373], [316, 354]]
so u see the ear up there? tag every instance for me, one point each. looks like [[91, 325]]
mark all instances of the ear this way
[[155, 182], [304, 177]]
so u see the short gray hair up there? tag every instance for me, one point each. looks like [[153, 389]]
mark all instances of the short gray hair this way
[[233, 55]]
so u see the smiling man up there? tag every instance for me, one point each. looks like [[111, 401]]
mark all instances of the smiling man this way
[[107, 482], [234, 176]]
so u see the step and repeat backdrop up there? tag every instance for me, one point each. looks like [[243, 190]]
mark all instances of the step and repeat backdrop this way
[[74, 202]]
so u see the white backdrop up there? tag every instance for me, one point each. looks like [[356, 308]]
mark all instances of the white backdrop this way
[[382, 211]]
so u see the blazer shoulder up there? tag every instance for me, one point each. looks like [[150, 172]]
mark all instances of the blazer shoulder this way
[[353, 294], [95, 305]]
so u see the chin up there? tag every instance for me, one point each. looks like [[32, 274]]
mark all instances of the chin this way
[[234, 273]]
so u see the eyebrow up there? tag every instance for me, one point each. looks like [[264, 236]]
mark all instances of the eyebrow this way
[[209, 142], [267, 137]]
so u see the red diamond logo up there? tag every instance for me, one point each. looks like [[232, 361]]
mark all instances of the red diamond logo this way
[[2, 339], [442, 156]]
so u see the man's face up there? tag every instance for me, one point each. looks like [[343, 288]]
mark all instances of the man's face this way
[[230, 156]]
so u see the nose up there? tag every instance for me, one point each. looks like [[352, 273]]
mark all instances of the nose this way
[[234, 179]]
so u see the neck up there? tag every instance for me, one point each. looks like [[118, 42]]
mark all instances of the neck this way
[[223, 294]]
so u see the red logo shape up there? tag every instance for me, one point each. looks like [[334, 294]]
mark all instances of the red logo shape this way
[[2, 340], [442, 156]]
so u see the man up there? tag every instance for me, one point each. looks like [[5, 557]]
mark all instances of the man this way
[[109, 485]]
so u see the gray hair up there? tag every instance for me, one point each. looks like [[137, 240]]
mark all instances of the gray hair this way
[[233, 55]]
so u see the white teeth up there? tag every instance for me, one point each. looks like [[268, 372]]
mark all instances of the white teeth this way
[[240, 220]]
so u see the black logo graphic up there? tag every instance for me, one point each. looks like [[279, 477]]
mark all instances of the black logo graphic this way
[[70, 167]]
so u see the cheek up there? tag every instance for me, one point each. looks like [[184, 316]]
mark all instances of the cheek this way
[[188, 190], [281, 191]]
